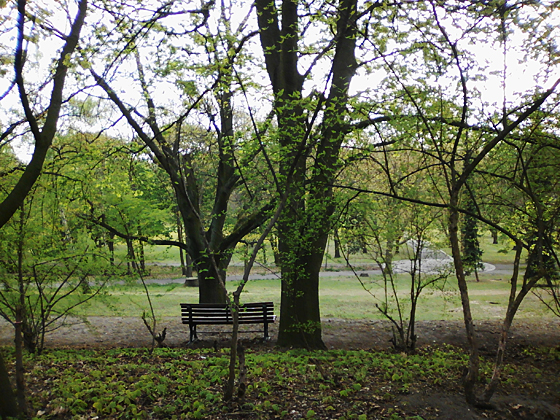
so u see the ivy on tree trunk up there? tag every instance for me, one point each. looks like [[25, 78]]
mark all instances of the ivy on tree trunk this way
[[304, 226]]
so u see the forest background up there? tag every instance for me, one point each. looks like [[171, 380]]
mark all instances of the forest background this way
[[213, 127]]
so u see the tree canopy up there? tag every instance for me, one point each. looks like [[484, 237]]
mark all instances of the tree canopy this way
[[189, 125]]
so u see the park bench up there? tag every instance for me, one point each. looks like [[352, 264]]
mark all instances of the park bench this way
[[195, 314]]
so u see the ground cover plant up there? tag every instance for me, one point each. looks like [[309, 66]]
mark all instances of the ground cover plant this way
[[188, 383]]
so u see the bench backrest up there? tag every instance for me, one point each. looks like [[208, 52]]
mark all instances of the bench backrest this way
[[212, 313]]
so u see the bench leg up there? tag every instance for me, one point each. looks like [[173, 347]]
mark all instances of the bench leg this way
[[193, 337], [266, 337]]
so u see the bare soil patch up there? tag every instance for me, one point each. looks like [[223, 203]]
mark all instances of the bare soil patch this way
[[337, 333]]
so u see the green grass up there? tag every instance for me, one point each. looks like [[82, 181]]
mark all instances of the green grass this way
[[340, 297], [501, 253]]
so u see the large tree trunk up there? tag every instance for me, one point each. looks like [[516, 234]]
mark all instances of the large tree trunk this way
[[304, 226], [8, 404], [210, 289], [300, 319]]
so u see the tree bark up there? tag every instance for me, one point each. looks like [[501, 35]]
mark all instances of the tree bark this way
[[300, 317], [336, 244], [186, 265], [471, 376], [305, 223], [43, 137], [8, 403], [514, 302], [209, 287], [494, 233]]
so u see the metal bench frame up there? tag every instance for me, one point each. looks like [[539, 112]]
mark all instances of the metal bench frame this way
[[195, 314]]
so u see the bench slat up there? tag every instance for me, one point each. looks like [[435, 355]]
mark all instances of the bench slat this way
[[255, 318], [222, 311], [225, 322]]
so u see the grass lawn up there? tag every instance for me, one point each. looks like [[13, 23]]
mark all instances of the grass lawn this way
[[340, 297]]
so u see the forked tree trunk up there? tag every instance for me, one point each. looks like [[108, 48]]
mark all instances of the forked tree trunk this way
[[514, 302], [499, 362], [304, 227], [202, 242]]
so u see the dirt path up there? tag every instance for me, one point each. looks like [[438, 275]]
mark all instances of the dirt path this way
[[337, 333]]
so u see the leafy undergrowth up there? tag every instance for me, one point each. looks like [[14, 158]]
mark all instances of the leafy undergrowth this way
[[188, 383]]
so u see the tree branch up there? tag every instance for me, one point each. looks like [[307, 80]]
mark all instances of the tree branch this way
[[125, 236], [43, 138]]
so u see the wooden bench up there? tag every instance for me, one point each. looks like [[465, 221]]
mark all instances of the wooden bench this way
[[195, 314]]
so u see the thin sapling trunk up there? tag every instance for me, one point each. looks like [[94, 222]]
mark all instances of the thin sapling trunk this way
[[228, 393]]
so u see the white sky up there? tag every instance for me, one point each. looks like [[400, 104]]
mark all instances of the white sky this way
[[520, 77]]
